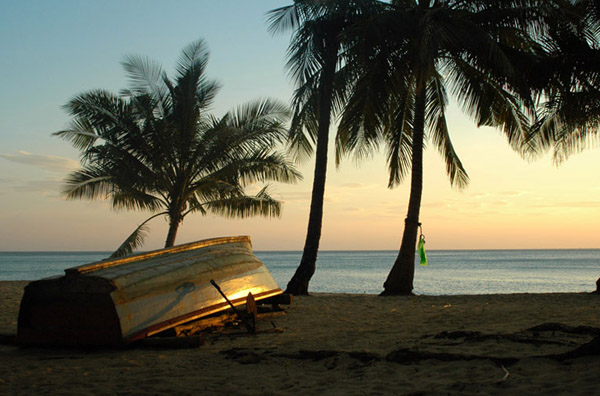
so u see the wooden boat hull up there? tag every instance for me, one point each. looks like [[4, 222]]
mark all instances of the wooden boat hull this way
[[116, 302]]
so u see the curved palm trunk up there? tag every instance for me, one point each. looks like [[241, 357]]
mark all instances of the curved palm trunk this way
[[175, 219], [400, 278], [173, 227], [298, 285]]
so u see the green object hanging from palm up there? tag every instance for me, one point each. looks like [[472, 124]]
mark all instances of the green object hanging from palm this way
[[421, 250]]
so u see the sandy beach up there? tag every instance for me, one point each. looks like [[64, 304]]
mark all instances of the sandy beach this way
[[334, 344]]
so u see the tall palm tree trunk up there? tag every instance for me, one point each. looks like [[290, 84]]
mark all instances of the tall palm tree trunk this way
[[173, 226], [176, 208], [174, 221], [298, 285], [400, 278]]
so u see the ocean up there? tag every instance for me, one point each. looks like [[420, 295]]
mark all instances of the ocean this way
[[448, 272]]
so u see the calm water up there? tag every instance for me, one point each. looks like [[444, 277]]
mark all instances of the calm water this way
[[448, 272]]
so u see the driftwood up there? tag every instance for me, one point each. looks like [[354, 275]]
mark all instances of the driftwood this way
[[200, 325], [231, 319], [248, 318]]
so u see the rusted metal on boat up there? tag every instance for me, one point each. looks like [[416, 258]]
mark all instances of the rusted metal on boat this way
[[116, 302]]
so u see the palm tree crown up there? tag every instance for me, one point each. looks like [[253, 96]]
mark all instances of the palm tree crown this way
[[155, 148]]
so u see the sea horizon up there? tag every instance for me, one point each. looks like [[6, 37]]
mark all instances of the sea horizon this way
[[449, 272], [320, 250]]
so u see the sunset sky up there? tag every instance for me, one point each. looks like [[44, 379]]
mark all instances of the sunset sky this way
[[53, 50]]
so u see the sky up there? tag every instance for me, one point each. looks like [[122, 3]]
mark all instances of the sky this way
[[54, 50]]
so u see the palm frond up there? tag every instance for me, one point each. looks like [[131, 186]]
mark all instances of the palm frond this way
[[88, 183], [206, 93], [193, 58], [257, 113], [135, 239], [256, 125], [302, 135], [305, 55], [107, 112], [283, 19], [195, 205], [262, 204], [570, 142], [488, 102], [264, 167], [363, 119], [565, 133], [399, 140], [137, 200], [147, 77], [438, 130], [80, 133]]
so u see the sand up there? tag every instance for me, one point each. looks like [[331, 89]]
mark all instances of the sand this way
[[334, 344]]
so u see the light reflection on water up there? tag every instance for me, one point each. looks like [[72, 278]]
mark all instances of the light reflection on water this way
[[448, 272]]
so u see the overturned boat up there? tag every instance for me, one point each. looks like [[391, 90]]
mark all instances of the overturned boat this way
[[116, 302]]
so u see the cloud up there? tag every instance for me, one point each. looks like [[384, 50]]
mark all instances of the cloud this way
[[438, 204], [511, 193], [353, 209], [480, 195], [44, 187], [479, 200], [396, 209], [7, 180], [573, 205], [47, 162], [296, 196], [352, 185]]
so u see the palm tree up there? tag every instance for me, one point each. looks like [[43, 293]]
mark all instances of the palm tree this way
[[412, 54], [155, 148], [315, 62]]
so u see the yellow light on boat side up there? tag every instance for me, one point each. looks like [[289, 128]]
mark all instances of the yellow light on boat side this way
[[242, 294]]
